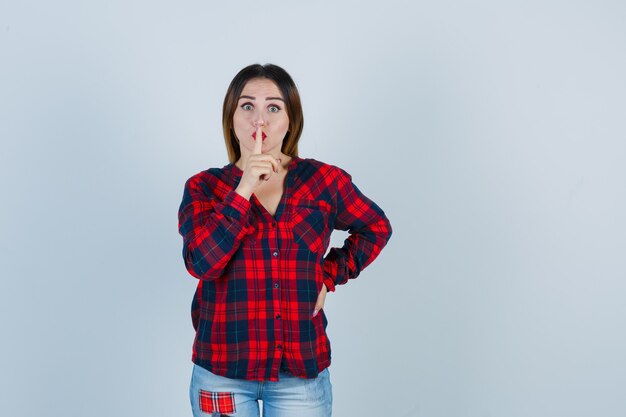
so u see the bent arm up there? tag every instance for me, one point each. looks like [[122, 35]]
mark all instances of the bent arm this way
[[369, 231], [212, 229]]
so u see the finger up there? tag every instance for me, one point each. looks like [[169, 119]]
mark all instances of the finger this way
[[258, 144], [269, 158], [262, 172], [321, 298], [318, 305]]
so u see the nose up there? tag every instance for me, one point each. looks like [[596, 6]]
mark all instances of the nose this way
[[259, 119]]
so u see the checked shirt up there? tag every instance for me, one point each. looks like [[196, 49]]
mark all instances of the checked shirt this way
[[260, 275]]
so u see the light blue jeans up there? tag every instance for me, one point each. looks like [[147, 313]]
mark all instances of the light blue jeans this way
[[214, 395]]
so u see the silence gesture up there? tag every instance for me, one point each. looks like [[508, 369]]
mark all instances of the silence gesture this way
[[259, 167]]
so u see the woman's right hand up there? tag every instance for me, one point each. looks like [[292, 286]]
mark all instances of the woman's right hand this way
[[257, 169]]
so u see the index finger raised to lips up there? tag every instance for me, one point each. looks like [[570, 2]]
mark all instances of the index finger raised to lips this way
[[258, 141]]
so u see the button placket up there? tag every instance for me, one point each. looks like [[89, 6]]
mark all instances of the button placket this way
[[276, 302]]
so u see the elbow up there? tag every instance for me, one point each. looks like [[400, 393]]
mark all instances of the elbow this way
[[199, 267], [382, 231], [389, 230]]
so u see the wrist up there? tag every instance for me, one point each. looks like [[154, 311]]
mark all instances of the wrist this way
[[244, 192]]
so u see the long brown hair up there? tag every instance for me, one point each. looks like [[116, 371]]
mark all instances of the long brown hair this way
[[287, 87]]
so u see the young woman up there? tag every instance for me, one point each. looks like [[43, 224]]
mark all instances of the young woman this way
[[255, 234]]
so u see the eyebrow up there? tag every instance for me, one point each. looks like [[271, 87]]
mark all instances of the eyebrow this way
[[266, 98]]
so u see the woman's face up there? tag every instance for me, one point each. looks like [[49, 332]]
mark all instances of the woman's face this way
[[261, 102]]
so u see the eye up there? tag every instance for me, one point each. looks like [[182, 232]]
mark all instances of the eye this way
[[247, 106], [273, 109]]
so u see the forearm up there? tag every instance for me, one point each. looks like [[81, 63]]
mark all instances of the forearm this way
[[369, 230], [360, 249], [212, 232]]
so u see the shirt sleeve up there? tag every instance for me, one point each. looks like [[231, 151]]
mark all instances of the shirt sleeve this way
[[369, 231], [212, 228]]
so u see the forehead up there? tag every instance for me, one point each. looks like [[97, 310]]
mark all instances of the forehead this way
[[261, 87]]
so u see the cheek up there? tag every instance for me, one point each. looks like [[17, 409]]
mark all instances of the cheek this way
[[282, 124], [240, 122], [238, 118]]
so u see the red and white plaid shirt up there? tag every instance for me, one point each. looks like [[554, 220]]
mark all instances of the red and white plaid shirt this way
[[260, 275]]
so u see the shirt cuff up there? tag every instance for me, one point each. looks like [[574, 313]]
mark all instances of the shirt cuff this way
[[330, 271], [235, 205]]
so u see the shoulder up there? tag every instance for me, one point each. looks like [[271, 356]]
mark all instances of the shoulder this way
[[212, 175], [317, 180], [313, 166], [211, 180]]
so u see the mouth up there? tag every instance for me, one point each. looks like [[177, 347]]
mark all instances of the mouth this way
[[262, 134]]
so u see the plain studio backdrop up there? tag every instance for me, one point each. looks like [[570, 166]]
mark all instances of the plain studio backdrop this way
[[492, 133]]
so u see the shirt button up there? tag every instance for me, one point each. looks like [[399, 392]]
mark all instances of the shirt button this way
[[275, 253], [278, 316], [276, 285], [279, 346]]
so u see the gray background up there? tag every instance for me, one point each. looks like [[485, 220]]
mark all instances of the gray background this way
[[491, 133]]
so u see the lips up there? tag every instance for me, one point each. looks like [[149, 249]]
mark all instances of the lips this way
[[263, 135]]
